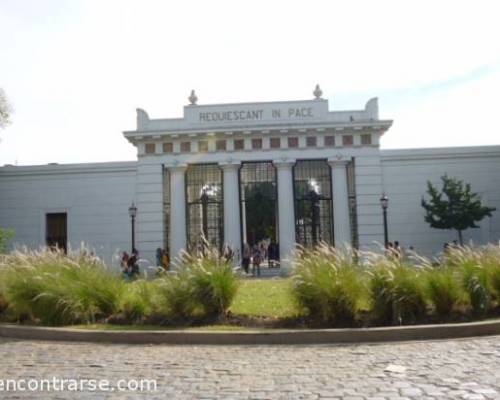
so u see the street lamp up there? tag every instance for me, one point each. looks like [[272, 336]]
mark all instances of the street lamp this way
[[384, 202], [132, 212]]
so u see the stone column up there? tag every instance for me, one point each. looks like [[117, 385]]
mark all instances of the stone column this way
[[177, 210], [286, 210], [232, 222], [341, 219]]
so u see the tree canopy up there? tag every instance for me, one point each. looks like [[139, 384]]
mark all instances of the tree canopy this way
[[454, 207], [5, 110]]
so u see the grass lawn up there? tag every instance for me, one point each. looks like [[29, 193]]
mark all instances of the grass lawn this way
[[264, 297], [111, 327]]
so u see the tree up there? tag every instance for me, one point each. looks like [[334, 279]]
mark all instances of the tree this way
[[5, 110], [455, 207], [5, 236]]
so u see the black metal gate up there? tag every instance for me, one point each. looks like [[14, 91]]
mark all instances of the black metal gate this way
[[313, 202], [204, 205]]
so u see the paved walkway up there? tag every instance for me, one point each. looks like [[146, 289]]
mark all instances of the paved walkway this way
[[453, 369]]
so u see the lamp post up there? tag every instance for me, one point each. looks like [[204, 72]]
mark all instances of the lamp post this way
[[132, 212], [384, 202]]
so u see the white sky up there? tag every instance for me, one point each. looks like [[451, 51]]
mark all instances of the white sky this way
[[76, 71]]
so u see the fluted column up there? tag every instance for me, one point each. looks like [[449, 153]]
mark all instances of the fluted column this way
[[177, 210], [286, 210], [232, 221], [341, 218]]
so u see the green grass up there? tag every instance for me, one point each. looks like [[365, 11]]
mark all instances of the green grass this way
[[125, 328], [265, 297]]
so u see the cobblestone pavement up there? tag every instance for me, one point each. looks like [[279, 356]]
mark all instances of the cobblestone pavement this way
[[452, 369]]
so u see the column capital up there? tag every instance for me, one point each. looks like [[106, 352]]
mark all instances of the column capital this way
[[230, 165], [176, 167], [339, 161], [284, 163]]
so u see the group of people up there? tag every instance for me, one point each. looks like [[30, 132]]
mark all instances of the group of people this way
[[257, 254], [129, 264]]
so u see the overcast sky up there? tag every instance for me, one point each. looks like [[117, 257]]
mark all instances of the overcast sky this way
[[75, 71]]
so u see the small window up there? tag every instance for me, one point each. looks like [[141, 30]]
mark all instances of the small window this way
[[347, 140], [150, 148], [186, 147], [275, 143], [168, 147], [202, 146], [220, 144], [239, 144], [257, 143], [366, 139], [329, 141], [56, 230], [293, 142], [311, 141]]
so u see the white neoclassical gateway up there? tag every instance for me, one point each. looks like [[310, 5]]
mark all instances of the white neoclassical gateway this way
[[286, 172]]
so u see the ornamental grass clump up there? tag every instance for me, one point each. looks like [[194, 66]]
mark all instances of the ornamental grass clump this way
[[140, 299], [443, 289], [477, 267], [60, 289], [328, 284], [212, 280], [203, 285], [396, 290]]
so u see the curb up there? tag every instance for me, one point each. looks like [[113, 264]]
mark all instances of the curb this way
[[286, 337]]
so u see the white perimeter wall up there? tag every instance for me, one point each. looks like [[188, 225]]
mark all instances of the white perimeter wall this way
[[96, 198], [405, 175]]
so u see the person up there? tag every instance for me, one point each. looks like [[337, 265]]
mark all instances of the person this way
[[124, 264], [165, 260], [398, 251], [256, 260], [159, 254], [245, 261], [228, 253], [272, 254], [263, 251], [132, 264]]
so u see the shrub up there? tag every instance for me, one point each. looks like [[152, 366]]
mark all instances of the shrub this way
[[443, 289], [60, 289], [328, 284]]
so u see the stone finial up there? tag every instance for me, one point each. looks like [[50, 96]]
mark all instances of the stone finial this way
[[193, 98], [317, 92]]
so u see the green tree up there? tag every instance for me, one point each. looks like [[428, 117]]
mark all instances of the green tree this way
[[5, 110], [454, 207], [5, 236]]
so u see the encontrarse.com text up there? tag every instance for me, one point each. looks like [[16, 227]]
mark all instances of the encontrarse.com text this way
[[77, 385]]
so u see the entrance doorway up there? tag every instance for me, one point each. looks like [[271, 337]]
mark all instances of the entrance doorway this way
[[56, 231], [259, 206]]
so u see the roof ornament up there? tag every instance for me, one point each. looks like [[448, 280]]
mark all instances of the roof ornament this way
[[317, 92], [193, 98]]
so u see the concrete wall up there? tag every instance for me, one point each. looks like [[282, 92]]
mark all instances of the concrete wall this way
[[96, 198], [405, 175]]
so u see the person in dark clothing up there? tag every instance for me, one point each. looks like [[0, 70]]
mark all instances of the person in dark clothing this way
[[132, 264]]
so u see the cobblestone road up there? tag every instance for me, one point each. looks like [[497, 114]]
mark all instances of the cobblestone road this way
[[456, 369]]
